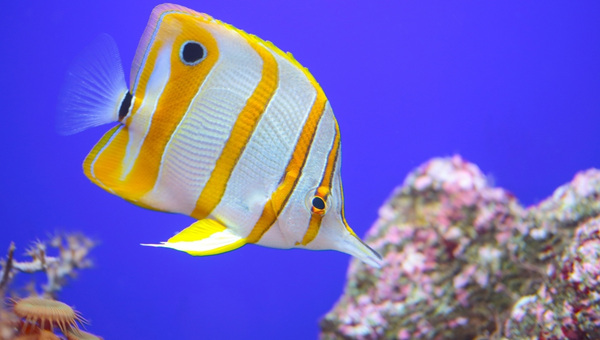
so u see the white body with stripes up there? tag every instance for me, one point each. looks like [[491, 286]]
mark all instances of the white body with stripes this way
[[221, 126]]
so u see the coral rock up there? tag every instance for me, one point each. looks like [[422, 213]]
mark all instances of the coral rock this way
[[567, 306], [464, 260]]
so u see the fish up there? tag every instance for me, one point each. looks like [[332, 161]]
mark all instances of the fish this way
[[219, 125]]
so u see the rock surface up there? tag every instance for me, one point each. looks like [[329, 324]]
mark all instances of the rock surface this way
[[463, 260]]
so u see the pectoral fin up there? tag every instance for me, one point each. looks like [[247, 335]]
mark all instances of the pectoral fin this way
[[205, 237]]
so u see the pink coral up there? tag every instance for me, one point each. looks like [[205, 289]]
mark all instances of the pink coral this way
[[465, 260], [567, 305]]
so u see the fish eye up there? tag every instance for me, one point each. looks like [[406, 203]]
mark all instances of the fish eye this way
[[317, 200], [192, 53], [318, 205]]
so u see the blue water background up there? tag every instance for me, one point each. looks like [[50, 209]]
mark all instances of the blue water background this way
[[513, 86]]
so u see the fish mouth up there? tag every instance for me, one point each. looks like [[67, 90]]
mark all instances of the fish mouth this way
[[356, 247]]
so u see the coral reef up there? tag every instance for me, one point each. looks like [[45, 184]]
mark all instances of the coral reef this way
[[463, 260], [39, 316], [567, 305]]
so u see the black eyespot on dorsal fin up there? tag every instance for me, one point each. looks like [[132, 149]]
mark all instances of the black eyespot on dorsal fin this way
[[125, 105], [192, 53]]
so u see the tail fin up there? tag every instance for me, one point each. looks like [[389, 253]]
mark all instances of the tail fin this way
[[94, 89]]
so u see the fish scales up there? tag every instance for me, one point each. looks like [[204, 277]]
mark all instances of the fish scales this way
[[221, 126]]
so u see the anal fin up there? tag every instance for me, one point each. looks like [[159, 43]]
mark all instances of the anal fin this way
[[204, 237]]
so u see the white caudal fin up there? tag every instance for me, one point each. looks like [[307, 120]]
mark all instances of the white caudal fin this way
[[94, 88]]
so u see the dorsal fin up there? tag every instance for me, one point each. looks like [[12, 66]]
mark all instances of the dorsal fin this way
[[149, 33]]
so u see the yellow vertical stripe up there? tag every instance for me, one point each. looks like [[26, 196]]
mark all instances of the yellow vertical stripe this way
[[154, 22], [293, 170], [242, 130], [183, 85], [313, 229], [142, 84], [343, 214], [324, 188], [103, 171]]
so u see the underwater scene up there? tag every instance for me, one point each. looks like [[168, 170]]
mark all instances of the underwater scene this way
[[174, 171]]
